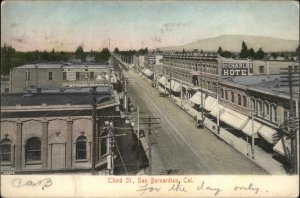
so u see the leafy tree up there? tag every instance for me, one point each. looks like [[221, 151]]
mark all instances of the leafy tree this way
[[227, 54], [260, 54], [244, 50], [220, 51], [79, 53], [116, 50], [274, 55], [251, 53]]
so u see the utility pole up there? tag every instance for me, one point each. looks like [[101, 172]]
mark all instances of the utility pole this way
[[218, 112], [201, 77], [290, 78], [149, 122], [252, 134], [94, 114], [170, 80], [111, 142]]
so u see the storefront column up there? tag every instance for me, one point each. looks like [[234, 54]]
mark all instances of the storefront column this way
[[45, 144], [18, 154], [69, 144]]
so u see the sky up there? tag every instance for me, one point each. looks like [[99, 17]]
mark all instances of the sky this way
[[64, 25]]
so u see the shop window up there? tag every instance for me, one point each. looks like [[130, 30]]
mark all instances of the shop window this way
[[81, 148], [33, 149], [5, 150]]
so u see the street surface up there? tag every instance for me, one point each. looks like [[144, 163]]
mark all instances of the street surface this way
[[179, 145]]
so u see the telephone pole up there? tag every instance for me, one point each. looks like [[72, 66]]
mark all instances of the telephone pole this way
[[94, 117], [290, 78], [150, 121]]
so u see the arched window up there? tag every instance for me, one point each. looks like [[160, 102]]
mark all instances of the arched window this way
[[232, 96], [5, 150], [244, 101], [33, 149], [226, 95], [81, 147], [260, 108], [222, 93], [239, 99]]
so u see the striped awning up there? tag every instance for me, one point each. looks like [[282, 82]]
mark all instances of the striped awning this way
[[210, 103], [250, 128], [283, 147], [233, 118], [196, 98], [175, 86], [269, 134], [163, 80]]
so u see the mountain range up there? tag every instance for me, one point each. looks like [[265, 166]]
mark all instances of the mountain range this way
[[233, 43]]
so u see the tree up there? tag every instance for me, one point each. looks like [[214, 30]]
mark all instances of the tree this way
[[244, 50], [251, 53], [227, 54], [79, 53], [116, 50], [274, 55], [260, 54], [220, 51]]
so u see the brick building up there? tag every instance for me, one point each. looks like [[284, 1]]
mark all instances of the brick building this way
[[55, 76], [52, 130]]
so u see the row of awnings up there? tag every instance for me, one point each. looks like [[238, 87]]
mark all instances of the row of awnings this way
[[147, 72], [175, 86], [283, 147], [236, 119]]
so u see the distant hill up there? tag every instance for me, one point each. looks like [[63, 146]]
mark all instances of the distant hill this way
[[233, 43]]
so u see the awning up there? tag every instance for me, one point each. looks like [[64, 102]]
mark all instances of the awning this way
[[196, 98], [283, 147], [233, 118], [210, 103], [148, 72], [215, 110], [269, 134], [175, 86], [248, 128], [162, 90], [163, 80]]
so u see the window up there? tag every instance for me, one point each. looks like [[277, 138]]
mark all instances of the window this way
[[81, 148], [261, 69], [33, 149], [260, 108], [50, 76], [274, 113], [226, 95], [64, 75], [92, 76], [103, 143], [239, 99], [244, 101], [232, 97], [5, 150], [266, 111], [222, 93], [6, 90], [27, 75], [77, 75]]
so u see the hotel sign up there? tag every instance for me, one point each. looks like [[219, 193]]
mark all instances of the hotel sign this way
[[236, 69]]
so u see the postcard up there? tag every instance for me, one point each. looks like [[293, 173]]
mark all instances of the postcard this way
[[149, 99]]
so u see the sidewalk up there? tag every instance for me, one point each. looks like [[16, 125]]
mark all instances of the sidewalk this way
[[262, 158]]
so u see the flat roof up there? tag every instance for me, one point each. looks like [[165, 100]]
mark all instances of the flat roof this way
[[61, 65], [80, 96]]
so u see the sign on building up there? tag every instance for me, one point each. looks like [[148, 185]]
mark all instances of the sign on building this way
[[237, 69]]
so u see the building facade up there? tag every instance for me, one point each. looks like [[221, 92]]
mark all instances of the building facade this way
[[55, 76], [52, 131]]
